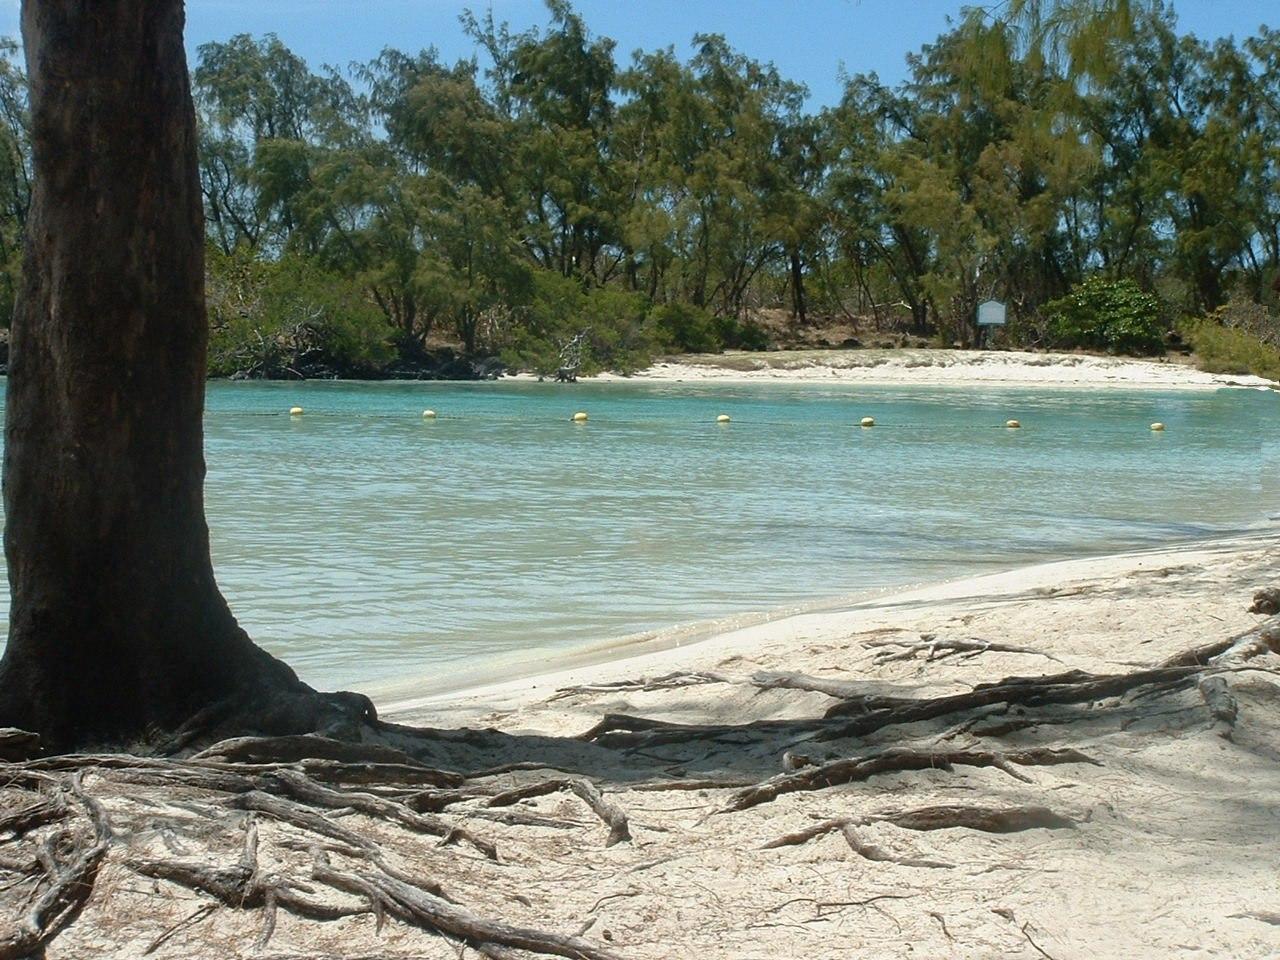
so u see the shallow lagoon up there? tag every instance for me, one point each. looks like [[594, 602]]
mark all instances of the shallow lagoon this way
[[366, 544]]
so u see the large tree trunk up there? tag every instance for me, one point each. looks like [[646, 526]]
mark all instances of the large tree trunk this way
[[118, 632]]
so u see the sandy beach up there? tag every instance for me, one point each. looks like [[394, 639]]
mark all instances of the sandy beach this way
[[833, 784], [1174, 821], [939, 367]]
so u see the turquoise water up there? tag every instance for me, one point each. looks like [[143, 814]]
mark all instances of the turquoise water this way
[[365, 544]]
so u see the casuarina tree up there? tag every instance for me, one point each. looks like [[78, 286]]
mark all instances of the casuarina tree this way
[[118, 632]]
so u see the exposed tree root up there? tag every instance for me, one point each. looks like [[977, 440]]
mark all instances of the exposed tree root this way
[[285, 794], [840, 689], [614, 817], [623, 731], [35, 814], [946, 817], [1253, 642], [986, 819], [414, 905], [895, 760], [860, 715], [1217, 697], [1266, 601], [18, 744], [70, 884], [935, 649], [300, 790], [1071, 687], [1262, 916], [669, 681]]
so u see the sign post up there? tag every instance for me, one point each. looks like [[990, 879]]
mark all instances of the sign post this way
[[990, 314]]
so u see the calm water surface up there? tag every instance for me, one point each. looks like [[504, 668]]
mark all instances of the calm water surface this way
[[365, 544]]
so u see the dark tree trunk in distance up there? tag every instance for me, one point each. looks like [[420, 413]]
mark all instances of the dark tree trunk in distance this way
[[118, 632], [797, 288]]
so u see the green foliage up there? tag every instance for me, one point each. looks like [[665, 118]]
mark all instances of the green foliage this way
[[1222, 349], [15, 174], [683, 328], [289, 318], [561, 195], [1254, 319], [1112, 315], [736, 334], [615, 329]]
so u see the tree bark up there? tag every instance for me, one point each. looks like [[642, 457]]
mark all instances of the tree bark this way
[[797, 288], [118, 631]]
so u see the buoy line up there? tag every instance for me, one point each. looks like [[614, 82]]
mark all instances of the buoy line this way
[[581, 416]]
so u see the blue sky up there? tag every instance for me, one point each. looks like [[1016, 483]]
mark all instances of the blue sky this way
[[809, 40]]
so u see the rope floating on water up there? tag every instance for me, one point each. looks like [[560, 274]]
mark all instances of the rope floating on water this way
[[581, 416]]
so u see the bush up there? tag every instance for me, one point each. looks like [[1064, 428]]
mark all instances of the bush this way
[[684, 328], [688, 329], [1251, 318], [1222, 349], [289, 318], [1111, 315], [615, 329], [738, 334]]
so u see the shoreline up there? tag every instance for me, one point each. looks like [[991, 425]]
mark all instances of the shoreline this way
[[1167, 802], [903, 366], [527, 681], [907, 366]]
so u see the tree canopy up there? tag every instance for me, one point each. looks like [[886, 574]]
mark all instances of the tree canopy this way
[[547, 189]]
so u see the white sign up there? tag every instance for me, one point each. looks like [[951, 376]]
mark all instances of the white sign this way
[[991, 314]]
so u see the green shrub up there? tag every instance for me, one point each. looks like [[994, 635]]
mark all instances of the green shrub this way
[[546, 325], [614, 326], [684, 328], [620, 337], [1251, 318], [1112, 315], [1222, 349], [738, 334], [289, 318]]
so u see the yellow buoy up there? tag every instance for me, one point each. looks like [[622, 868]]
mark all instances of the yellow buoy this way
[[1157, 426], [723, 418], [580, 417], [428, 414], [1012, 424], [295, 411], [868, 421]]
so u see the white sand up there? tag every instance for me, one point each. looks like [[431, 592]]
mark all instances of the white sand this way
[[1172, 852], [1178, 827], [937, 367]]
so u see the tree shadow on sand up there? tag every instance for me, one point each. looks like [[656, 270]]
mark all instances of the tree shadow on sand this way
[[464, 787]]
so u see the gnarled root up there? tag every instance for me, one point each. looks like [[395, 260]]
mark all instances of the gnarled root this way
[[893, 760], [614, 817]]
